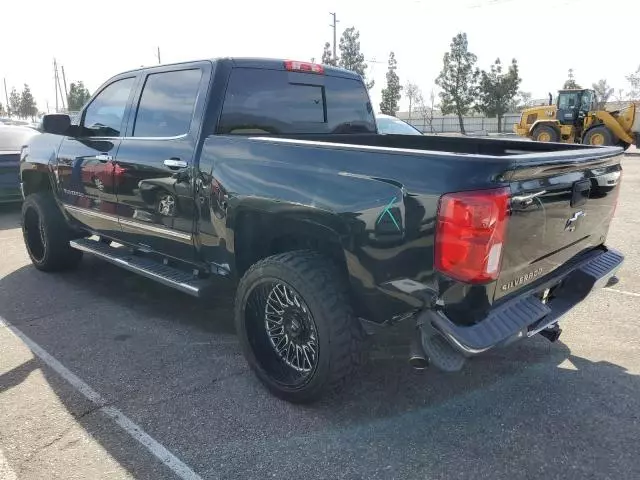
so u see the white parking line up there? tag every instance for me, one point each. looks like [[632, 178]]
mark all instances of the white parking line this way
[[5, 470], [153, 446], [623, 292]]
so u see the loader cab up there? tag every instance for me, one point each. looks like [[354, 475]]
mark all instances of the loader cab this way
[[573, 105]]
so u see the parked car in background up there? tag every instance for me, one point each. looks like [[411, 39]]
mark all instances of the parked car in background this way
[[392, 125], [12, 138]]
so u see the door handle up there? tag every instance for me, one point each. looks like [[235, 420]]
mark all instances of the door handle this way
[[175, 163], [104, 157]]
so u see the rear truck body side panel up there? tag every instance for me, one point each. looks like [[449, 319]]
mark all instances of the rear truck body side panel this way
[[382, 218]]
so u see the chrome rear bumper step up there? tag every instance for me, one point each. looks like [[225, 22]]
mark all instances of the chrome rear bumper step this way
[[122, 257]]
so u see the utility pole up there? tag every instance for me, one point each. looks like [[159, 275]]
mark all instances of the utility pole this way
[[64, 80], [58, 87], [6, 97], [159, 62], [333, 25], [55, 81]]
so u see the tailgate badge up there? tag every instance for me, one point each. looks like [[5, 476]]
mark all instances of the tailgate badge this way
[[522, 279], [572, 223]]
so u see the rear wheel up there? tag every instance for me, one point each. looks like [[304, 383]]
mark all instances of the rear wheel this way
[[46, 234], [295, 325], [601, 136], [546, 133]]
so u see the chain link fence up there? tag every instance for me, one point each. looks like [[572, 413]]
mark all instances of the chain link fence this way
[[450, 123]]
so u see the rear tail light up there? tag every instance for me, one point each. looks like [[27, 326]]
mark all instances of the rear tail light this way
[[307, 67], [470, 232]]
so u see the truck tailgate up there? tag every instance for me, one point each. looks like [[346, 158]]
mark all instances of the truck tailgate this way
[[562, 205]]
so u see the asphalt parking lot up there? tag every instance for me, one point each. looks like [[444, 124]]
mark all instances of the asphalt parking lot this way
[[174, 397]]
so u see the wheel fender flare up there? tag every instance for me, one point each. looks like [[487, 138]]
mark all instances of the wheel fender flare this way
[[552, 123]]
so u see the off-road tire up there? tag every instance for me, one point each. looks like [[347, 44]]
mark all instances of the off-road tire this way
[[609, 138], [324, 290], [46, 234], [554, 135]]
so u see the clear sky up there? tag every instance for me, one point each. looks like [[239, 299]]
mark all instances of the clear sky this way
[[94, 40]]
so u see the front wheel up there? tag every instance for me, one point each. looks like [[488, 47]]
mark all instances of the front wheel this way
[[295, 325], [46, 234], [546, 133]]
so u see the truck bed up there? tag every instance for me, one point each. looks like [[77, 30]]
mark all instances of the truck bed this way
[[497, 147]]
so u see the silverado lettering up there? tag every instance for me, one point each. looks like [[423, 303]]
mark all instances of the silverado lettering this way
[[522, 279]]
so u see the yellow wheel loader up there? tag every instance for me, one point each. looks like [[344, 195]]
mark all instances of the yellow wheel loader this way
[[575, 119]]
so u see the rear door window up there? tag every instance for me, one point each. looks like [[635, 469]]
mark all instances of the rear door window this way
[[280, 102], [167, 102]]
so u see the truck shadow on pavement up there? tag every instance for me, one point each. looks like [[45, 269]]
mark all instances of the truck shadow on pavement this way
[[173, 365]]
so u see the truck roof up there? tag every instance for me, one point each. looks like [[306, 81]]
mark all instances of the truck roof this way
[[253, 62]]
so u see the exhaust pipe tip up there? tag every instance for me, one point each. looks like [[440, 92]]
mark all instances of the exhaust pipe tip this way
[[418, 362], [417, 357]]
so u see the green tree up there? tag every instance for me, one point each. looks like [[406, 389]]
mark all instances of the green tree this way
[[351, 57], [327, 55], [603, 93], [634, 82], [458, 79], [13, 108], [2, 112], [14, 102], [497, 90], [520, 102], [426, 111], [77, 97], [413, 94], [391, 93], [28, 107], [570, 82]]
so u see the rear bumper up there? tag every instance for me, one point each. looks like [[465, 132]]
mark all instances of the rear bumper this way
[[527, 314]]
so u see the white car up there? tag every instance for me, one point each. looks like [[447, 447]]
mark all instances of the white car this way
[[388, 125]]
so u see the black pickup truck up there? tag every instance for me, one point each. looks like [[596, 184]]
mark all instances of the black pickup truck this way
[[271, 175]]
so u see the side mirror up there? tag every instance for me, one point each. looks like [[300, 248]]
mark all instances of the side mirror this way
[[56, 123]]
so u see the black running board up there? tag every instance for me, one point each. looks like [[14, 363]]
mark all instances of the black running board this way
[[122, 257]]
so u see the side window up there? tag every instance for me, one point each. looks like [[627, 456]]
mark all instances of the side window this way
[[105, 113], [166, 105]]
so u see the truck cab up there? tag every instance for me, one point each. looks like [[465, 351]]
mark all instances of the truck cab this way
[[573, 105]]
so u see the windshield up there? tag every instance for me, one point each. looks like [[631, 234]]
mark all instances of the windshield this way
[[587, 101], [395, 126]]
